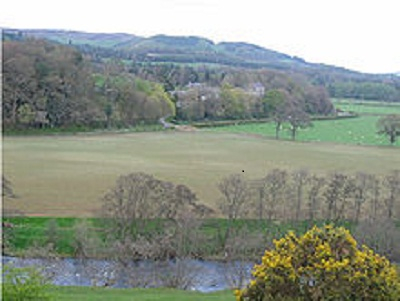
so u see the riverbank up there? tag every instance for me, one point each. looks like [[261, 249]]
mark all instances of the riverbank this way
[[27, 235], [159, 294]]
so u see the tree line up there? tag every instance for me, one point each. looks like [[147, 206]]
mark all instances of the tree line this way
[[51, 85], [140, 210], [365, 91], [302, 195]]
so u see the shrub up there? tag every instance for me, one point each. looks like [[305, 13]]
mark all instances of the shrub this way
[[24, 284], [381, 235], [323, 264]]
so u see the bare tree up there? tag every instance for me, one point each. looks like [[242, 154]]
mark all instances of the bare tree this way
[[362, 186], [314, 195], [258, 194], [179, 274], [275, 185], [139, 206], [7, 190], [236, 195], [86, 242], [52, 234], [381, 235], [187, 236], [392, 183], [147, 218], [376, 191], [300, 179], [139, 198], [339, 189], [128, 204], [240, 249]]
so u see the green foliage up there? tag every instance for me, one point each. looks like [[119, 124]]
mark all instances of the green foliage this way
[[143, 86], [389, 125], [364, 90], [52, 233], [84, 237], [21, 284], [323, 264], [272, 100], [234, 102], [46, 85], [29, 233]]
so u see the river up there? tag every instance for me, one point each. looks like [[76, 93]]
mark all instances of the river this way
[[197, 275]]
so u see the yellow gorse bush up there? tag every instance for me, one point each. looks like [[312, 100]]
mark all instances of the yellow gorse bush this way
[[323, 264]]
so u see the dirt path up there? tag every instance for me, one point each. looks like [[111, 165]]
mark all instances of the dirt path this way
[[182, 128]]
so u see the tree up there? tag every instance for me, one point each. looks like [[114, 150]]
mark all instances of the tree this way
[[297, 117], [236, 193], [274, 104], [138, 198], [392, 183], [376, 191], [6, 188], [275, 184], [389, 125], [362, 185], [272, 99], [299, 179], [46, 84], [314, 195], [339, 189], [234, 102], [381, 235]]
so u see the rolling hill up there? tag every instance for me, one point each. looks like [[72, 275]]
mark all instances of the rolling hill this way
[[340, 82], [179, 49]]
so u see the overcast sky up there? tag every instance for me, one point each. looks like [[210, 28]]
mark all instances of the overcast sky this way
[[359, 35]]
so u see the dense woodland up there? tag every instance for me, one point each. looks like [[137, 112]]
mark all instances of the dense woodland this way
[[48, 84], [51, 85]]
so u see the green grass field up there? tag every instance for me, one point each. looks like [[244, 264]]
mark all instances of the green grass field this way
[[68, 175], [29, 232], [361, 130], [367, 107], [99, 294]]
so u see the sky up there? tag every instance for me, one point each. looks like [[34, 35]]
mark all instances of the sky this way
[[358, 35]]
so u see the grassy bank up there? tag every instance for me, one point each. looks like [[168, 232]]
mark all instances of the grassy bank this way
[[99, 294], [30, 232]]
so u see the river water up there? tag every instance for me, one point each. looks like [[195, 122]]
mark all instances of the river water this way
[[198, 275]]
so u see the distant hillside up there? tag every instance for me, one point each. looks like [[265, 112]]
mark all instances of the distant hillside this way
[[339, 81], [77, 37], [180, 49]]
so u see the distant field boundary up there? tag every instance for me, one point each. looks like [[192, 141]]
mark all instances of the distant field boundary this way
[[220, 123], [369, 103]]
